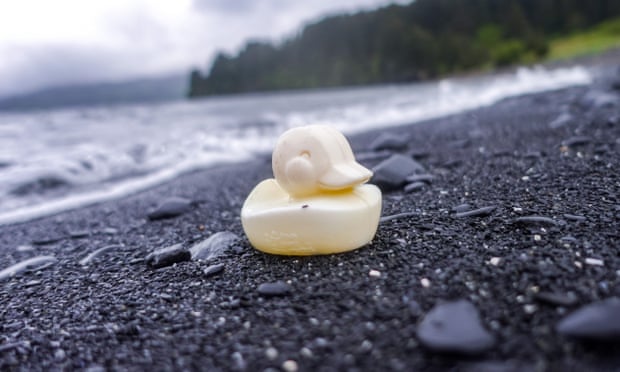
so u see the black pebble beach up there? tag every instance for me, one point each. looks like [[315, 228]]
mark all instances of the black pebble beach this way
[[517, 221]]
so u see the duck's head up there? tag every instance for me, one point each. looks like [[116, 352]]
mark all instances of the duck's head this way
[[309, 160]]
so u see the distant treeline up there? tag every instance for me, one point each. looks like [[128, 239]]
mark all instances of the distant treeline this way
[[399, 43]]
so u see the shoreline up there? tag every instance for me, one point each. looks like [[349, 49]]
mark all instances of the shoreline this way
[[551, 155]]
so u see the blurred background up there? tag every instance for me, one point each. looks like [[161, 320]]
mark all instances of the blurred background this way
[[138, 50], [103, 98]]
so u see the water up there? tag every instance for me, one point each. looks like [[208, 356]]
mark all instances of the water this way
[[56, 160]]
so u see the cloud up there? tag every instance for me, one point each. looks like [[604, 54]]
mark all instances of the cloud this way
[[103, 40]]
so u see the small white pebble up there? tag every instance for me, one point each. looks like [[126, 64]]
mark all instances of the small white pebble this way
[[525, 178], [520, 298], [290, 366], [25, 248], [375, 273], [594, 261], [271, 353], [425, 282], [314, 321], [443, 192], [578, 264], [306, 352], [529, 308], [366, 345], [517, 209], [494, 261], [537, 237]]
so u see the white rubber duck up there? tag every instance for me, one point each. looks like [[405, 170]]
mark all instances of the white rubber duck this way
[[318, 202]]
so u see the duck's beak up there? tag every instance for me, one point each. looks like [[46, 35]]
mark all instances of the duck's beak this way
[[344, 175]]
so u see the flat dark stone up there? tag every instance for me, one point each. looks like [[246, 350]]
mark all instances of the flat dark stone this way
[[278, 288], [576, 141], [79, 234], [97, 253], [214, 246], [596, 99], [170, 207], [461, 208], [574, 217], [387, 141], [562, 120], [31, 264], [428, 178], [597, 321], [167, 256], [48, 240], [392, 173], [415, 186], [214, 269], [480, 212], [555, 298], [454, 327], [536, 220]]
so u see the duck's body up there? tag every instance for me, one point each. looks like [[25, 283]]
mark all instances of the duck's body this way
[[329, 222]]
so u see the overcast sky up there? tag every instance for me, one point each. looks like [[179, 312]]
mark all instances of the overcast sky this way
[[56, 42]]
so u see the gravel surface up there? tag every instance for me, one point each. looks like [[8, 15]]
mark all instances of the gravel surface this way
[[515, 230]]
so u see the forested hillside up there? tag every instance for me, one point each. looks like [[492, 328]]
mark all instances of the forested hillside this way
[[399, 43]]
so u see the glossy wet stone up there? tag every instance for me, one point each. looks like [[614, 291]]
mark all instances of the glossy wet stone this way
[[454, 327], [214, 246], [388, 141], [278, 288], [536, 221], [171, 207], [428, 178], [213, 270], [392, 173], [414, 187], [557, 298], [479, 212], [576, 141], [32, 264], [167, 256], [595, 321], [97, 253]]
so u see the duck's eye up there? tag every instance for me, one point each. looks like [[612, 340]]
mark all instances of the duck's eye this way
[[305, 154]]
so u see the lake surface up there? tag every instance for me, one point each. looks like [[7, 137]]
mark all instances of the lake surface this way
[[60, 159]]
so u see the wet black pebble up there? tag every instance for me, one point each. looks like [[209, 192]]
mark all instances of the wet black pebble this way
[[387, 141], [278, 288], [573, 217], [214, 269], [562, 120], [576, 141], [170, 207], [557, 299], [597, 321], [428, 178], [392, 173], [167, 256], [461, 208], [536, 220], [47, 240], [454, 327], [214, 246], [480, 212], [415, 186]]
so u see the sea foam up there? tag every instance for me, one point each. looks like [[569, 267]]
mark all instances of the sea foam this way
[[52, 161]]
